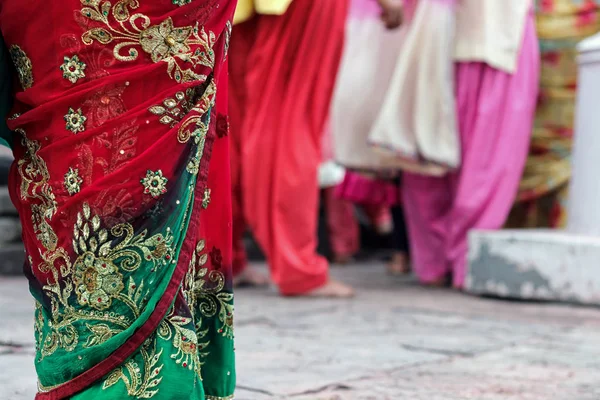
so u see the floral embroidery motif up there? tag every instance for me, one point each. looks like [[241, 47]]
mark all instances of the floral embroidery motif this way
[[23, 65], [155, 184], [96, 281], [203, 293], [104, 105], [207, 291], [97, 278], [75, 120], [73, 69], [181, 2], [163, 42], [140, 383], [206, 198], [172, 110], [73, 181]]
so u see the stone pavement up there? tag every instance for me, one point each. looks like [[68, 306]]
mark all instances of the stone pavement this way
[[395, 340]]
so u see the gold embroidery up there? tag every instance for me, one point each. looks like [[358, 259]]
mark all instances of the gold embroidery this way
[[207, 291], [206, 198], [194, 126], [35, 185], [155, 184], [73, 69], [181, 331], [73, 181], [75, 120], [97, 280], [163, 42], [173, 110], [228, 29], [23, 65], [141, 384]]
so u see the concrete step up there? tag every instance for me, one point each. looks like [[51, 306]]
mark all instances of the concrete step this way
[[535, 265]]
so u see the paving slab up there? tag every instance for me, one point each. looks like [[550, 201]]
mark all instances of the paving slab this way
[[395, 340]]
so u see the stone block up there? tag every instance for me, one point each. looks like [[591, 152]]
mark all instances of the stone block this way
[[12, 257], [6, 205], [10, 230], [534, 265]]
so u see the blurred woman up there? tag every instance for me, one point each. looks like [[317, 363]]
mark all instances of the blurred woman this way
[[283, 71], [121, 179], [468, 179]]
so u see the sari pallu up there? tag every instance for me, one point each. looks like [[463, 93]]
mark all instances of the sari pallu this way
[[121, 180]]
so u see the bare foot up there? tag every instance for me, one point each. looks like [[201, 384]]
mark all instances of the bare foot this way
[[398, 265], [252, 277], [332, 289], [342, 260]]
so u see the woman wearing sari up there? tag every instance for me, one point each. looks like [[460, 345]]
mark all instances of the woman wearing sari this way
[[121, 179]]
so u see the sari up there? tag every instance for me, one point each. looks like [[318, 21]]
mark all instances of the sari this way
[[544, 189], [121, 180]]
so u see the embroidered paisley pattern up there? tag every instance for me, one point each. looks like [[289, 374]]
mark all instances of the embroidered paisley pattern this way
[[23, 65], [185, 49]]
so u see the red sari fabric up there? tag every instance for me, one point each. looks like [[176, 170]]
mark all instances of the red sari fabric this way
[[282, 78], [121, 179]]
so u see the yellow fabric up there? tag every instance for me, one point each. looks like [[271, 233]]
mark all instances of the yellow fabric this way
[[247, 8]]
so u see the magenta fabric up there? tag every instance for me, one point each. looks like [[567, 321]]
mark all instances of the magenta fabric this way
[[364, 9], [495, 112], [365, 190], [342, 225]]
